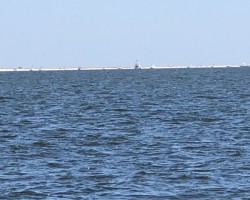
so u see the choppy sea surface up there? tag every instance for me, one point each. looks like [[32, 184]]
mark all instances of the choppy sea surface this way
[[125, 134]]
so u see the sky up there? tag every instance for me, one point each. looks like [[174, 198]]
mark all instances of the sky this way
[[99, 33]]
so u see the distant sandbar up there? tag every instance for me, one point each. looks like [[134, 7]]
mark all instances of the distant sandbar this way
[[23, 69]]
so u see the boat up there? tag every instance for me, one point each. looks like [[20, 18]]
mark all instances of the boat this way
[[137, 65]]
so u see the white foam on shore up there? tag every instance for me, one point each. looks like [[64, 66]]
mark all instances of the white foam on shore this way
[[113, 68]]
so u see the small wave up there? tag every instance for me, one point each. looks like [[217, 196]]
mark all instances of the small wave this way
[[120, 110], [41, 143], [210, 119], [27, 194], [10, 136], [24, 121], [54, 165], [244, 96], [4, 98], [207, 97]]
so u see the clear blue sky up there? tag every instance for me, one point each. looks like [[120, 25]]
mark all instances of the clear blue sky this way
[[117, 32]]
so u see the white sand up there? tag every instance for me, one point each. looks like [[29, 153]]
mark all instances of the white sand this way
[[110, 68]]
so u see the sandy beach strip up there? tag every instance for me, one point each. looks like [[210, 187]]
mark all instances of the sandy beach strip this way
[[20, 69]]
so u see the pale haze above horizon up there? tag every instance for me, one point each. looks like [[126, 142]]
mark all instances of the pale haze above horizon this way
[[61, 33]]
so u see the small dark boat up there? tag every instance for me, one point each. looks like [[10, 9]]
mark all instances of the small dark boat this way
[[137, 65]]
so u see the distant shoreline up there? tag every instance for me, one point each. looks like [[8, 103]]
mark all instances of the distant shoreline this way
[[23, 69]]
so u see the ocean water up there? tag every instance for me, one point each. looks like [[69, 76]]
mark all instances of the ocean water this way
[[125, 134]]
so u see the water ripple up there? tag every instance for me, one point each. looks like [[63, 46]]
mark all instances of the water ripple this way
[[125, 134]]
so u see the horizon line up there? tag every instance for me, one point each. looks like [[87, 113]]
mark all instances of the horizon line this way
[[83, 68]]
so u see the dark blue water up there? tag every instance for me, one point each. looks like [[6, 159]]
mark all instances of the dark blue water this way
[[125, 134]]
